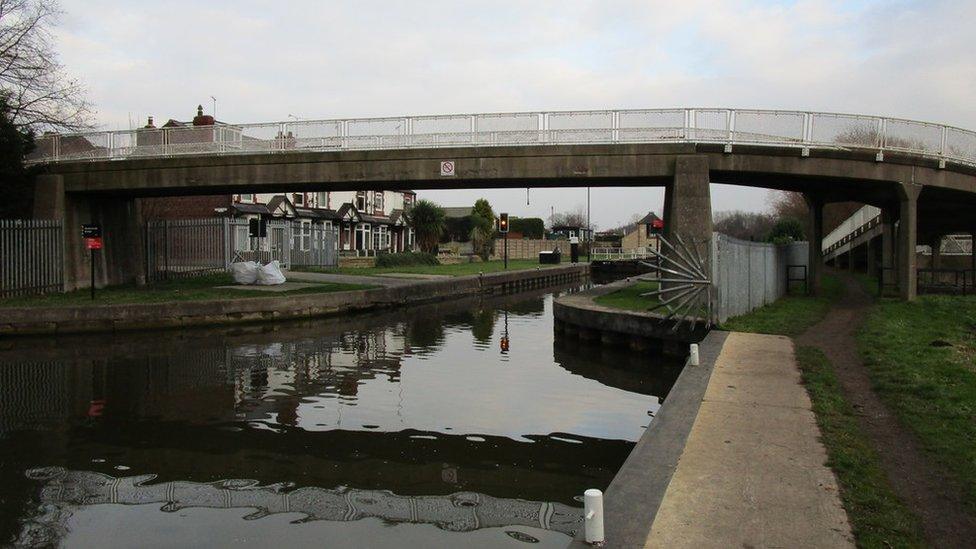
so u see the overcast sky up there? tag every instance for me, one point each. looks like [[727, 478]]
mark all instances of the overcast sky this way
[[264, 61]]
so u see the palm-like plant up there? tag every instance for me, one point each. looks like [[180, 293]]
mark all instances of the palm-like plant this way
[[427, 219]]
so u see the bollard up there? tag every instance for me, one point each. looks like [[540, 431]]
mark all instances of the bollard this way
[[593, 516], [693, 355]]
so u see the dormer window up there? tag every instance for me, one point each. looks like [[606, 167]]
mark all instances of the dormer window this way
[[378, 201], [298, 199], [361, 201]]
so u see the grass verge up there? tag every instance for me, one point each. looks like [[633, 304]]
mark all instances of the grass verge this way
[[921, 357], [458, 269], [790, 315], [629, 298], [187, 289], [878, 517]]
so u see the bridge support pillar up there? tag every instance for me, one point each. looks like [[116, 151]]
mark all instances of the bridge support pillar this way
[[907, 240], [935, 243], [121, 260], [815, 250], [688, 206], [888, 274]]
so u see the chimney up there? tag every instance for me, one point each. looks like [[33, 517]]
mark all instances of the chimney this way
[[202, 119], [149, 124]]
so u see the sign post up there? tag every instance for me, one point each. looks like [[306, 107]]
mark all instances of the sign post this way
[[503, 228], [92, 233]]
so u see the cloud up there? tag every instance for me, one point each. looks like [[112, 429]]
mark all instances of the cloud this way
[[377, 58]]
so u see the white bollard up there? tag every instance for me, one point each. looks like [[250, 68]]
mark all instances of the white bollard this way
[[693, 355], [593, 516]]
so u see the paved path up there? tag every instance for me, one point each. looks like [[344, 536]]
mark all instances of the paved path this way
[[753, 471], [351, 279]]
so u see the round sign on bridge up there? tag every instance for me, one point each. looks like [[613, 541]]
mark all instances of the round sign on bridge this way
[[447, 168]]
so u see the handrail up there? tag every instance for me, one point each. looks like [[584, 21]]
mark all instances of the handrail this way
[[681, 125]]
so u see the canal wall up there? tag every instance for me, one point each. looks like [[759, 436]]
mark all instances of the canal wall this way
[[749, 275], [180, 314], [634, 496], [578, 315]]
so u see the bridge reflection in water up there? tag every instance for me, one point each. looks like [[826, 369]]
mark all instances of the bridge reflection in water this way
[[415, 416]]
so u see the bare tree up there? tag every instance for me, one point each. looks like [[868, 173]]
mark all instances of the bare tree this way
[[744, 225], [38, 93], [575, 218]]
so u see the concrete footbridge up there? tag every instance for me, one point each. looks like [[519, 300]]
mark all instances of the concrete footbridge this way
[[923, 175]]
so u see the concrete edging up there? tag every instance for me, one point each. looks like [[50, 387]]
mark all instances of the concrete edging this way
[[632, 500], [179, 314]]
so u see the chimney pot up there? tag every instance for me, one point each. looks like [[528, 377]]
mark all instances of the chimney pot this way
[[199, 110]]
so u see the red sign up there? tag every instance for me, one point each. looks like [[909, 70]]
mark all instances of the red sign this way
[[93, 243]]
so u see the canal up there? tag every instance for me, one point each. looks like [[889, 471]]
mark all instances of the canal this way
[[462, 423]]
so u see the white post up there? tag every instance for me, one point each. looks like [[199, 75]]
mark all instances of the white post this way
[[593, 516], [693, 355]]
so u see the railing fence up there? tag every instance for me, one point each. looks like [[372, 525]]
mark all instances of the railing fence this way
[[31, 257], [190, 247], [713, 125], [617, 254]]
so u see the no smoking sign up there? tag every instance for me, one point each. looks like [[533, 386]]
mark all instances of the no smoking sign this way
[[447, 168]]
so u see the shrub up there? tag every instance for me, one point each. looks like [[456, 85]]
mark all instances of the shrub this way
[[406, 259]]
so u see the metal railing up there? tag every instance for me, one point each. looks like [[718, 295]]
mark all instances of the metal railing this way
[[620, 254], [861, 221], [191, 247], [31, 256], [698, 125]]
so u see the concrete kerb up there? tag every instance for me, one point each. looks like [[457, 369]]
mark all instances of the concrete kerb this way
[[114, 318], [632, 500]]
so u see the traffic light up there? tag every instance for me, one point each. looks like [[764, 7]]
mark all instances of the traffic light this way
[[503, 223]]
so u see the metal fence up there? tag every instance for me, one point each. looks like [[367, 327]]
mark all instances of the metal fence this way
[[191, 247], [700, 125], [748, 275], [31, 257], [618, 254]]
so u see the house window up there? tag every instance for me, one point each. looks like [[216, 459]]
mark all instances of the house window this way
[[407, 201], [361, 201], [298, 199], [378, 201], [247, 198], [322, 200], [306, 236], [364, 237]]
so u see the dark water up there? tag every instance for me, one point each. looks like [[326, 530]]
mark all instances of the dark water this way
[[410, 428]]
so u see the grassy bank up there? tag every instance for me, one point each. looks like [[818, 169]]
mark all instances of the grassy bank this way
[[459, 269], [790, 315], [629, 298], [878, 517], [922, 362], [188, 289]]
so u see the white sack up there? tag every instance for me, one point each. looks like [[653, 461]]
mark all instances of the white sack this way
[[270, 274], [245, 272]]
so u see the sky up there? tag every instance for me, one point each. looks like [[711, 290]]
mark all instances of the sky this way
[[267, 61]]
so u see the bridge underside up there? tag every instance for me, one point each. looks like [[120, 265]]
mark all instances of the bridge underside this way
[[915, 191]]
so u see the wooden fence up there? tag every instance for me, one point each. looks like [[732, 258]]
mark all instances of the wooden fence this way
[[529, 249], [31, 257]]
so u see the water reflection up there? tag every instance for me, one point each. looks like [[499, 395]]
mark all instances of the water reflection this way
[[386, 415]]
